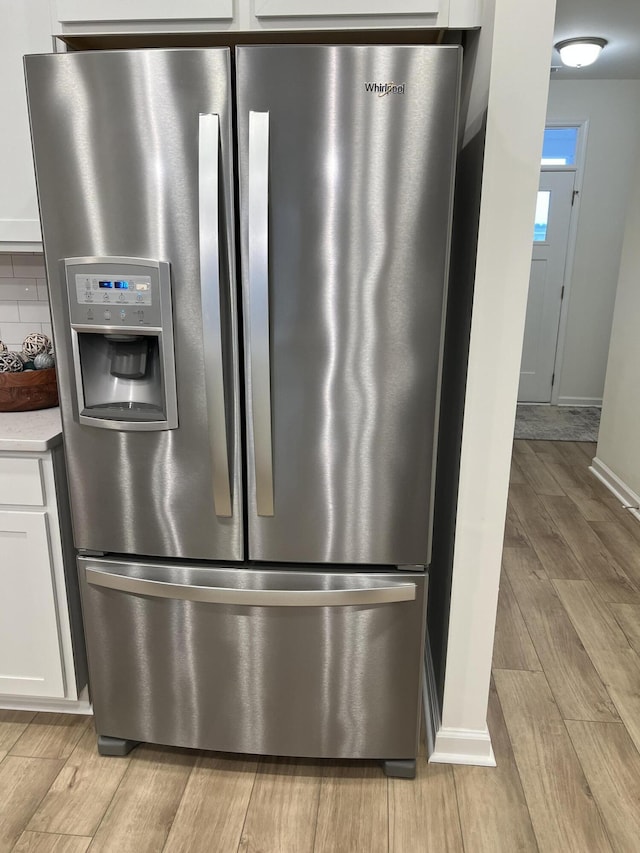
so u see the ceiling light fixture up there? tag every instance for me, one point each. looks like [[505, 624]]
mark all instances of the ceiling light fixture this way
[[579, 52]]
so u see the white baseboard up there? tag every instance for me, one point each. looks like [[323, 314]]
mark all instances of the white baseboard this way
[[580, 401], [463, 746], [57, 706], [450, 746], [627, 497]]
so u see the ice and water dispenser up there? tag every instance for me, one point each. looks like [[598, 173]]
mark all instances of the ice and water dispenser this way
[[122, 338]]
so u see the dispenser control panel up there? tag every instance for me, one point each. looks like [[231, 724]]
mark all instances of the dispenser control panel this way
[[122, 292], [121, 317], [113, 290]]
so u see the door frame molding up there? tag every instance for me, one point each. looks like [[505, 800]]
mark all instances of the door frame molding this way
[[581, 153]]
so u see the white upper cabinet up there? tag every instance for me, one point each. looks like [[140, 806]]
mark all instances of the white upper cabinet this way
[[26, 28], [340, 8], [117, 16], [91, 11]]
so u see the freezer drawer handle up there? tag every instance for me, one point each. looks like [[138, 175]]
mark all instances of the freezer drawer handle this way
[[208, 194], [259, 354], [386, 594]]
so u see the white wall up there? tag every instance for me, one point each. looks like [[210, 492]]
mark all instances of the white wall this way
[[613, 110], [520, 58], [619, 440], [24, 301]]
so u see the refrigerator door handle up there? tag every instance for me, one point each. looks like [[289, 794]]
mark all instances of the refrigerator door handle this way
[[388, 593], [259, 349], [208, 202]]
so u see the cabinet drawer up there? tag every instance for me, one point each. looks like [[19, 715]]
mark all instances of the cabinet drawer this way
[[21, 482]]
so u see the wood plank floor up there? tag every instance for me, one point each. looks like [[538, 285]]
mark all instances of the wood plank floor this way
[[564, 714]]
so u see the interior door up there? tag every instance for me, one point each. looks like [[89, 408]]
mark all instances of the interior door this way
[[346, 159], [551, 235], [133, 154]]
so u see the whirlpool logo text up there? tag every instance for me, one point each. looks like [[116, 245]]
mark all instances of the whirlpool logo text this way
[[382, 89]]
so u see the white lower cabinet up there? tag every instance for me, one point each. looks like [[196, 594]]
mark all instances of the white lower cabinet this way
[[30, 659], [42, 657]]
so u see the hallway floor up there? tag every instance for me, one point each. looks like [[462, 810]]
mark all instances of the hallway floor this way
[[564, 717]]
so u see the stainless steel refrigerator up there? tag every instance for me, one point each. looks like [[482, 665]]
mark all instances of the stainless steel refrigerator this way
[[246, 254]]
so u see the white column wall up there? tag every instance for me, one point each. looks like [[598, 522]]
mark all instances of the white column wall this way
[[520, 51]]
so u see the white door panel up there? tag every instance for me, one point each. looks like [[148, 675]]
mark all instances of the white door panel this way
[[545, 288], [535, 316]]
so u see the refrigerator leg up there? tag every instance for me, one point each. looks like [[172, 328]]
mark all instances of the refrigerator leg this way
[[115, 745], [400, 768]]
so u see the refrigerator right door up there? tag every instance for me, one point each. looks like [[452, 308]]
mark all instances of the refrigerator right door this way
[[346, 162]]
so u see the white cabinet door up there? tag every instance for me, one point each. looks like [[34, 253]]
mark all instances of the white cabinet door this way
[[21, 481], [81, 11], [117, 16], [26, 28], [30, 655], [338, 8]]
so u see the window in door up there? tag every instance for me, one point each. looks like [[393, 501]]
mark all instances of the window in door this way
[[542, 216], [560, 146]]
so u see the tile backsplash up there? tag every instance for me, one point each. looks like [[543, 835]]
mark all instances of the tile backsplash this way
[[24, 302]]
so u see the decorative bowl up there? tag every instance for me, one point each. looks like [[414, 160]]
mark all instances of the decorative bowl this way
[[31, 389]]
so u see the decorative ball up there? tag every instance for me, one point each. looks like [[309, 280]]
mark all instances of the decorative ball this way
[[36, 343], [3, 347], [28, 365], [10, 362], [43, 360]]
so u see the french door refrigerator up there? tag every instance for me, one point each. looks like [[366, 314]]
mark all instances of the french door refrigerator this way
[[246, 255]]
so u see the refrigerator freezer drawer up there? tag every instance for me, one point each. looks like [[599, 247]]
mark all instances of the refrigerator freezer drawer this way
[[258, 661]]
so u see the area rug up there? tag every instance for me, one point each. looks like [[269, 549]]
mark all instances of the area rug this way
[[557, 423]]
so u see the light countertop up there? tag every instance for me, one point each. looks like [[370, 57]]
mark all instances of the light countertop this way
[[37, 431]]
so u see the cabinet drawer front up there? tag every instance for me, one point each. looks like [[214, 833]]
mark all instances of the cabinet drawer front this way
[[30, 656], [21, 482], [341, 8], [313, 664], [84, 11]]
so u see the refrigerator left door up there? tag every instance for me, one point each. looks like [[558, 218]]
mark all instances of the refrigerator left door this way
[[133, 156]]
